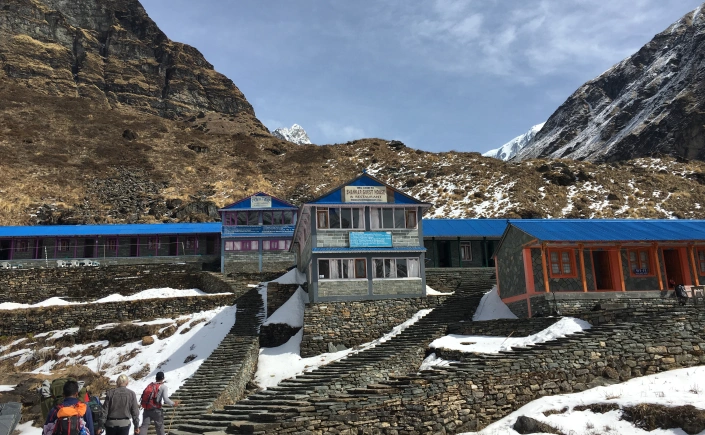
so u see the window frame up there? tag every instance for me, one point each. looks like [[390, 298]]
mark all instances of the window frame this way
[[355, 276], [63, 245], [326, 212], [637, 252], [465, 246], [701, 260], [243, 244], [22, 245], [394, 268], [571, 262], [409, 224]]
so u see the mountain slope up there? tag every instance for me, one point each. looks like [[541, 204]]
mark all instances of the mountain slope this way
[[511, 148], [111, 52], [652, 103]]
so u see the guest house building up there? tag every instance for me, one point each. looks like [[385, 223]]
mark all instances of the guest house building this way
[[256, 234], [362, 240], [546, 266]]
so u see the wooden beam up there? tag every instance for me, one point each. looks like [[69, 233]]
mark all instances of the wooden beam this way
[[657, 265], [621, 269], [692, 263], [545, 270], [582, 266]]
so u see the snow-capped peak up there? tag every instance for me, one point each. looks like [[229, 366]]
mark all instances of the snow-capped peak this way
[[296, 134], [511, 148]]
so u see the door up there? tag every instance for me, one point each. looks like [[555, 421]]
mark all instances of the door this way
[[444, 258], [134, 246], [5, 249], [672, 263], [173, 246], [603, 270], [88, 248], [39, 252]]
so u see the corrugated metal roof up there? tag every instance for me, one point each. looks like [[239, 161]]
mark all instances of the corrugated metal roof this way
[[246, 204], [372, 250], [109, 230], [464, 227], [578, 230]]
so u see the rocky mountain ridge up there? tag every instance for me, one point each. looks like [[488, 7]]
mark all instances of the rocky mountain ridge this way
[[652, 103], [296, 134], [127, 126], [512, 148]]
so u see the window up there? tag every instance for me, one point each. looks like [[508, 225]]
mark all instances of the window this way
[[241, 245], [276, 245], [393, 218], [562, 263], [339, 217], [346, 268], [154, 243], [396, 267], [639, 264], [111, 244], [248, 218], [466, 251], [191, 243], [62, 245], [230, 218], [22, 245], [277, 217]]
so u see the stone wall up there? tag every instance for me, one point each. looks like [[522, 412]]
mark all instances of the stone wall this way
[[397, 287], [91, 283], [481, 389], [503, 328], [248, 261], [356, 322], [278, 294], [34, 320], [447, 279]]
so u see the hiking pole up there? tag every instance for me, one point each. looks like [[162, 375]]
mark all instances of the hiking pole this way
[[168, 431]]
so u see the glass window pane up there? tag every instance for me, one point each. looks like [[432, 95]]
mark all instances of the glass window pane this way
[[345, 272], [388, 268], [360, 271], [322, 218], [334, 214], [288, 217], [644, 259], [345, 218], [267, 218], [401, 268], [242, 218], [411, 218], [277, 218], [379, 268], [387, 218], [253, 218], [323, 269], [356, 217], [399, 218]]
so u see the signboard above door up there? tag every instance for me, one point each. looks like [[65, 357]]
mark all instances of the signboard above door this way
[[261, 202], [365, 194]]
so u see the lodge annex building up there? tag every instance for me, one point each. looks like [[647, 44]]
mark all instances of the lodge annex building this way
[[367, 240]]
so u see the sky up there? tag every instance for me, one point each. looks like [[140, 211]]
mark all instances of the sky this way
[[439, 75]]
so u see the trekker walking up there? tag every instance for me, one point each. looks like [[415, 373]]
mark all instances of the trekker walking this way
[[70, 416], [153, 398], [121, 407]]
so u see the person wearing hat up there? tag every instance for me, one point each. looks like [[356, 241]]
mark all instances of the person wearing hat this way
[[121, 407], [153, 411]]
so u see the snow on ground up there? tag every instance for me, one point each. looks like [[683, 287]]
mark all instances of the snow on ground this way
[[283, 362], [491, 307], [433, 292], [671, 388], [292, 311], [291, 277], [483, 344], [7, 387], [27, 429], [155, 293]]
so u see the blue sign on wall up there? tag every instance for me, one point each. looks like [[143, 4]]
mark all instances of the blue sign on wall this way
[[370, 239]]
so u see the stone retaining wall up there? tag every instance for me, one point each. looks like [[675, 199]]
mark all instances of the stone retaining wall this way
[[503, 328], [356, 322], [34, 320], [484, 388], [447, 279], [91, 283], [278, 294]]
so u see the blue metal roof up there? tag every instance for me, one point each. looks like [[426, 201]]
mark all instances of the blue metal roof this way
[[336, 196], [246, 204], [613, 230], [464, 227], [351, 250], [109, 230]]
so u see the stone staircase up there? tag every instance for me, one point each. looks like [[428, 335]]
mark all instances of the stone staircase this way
[[295, 399], [223, 376]]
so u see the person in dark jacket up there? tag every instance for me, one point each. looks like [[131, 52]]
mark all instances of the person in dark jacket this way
[[681, 294], [122, 408], [71, 399]]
